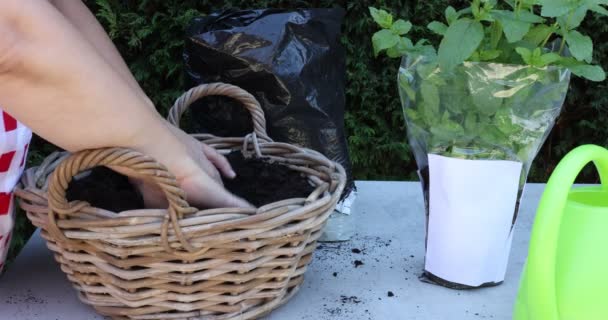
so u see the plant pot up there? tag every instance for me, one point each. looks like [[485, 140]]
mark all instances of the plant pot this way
[[474, 132]]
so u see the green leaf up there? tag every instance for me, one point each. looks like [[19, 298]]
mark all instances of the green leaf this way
[[412, 114], [460, 41], [556, 8], [525, 54], [580, 45], [401, 27], [538, 34], [475, 9], [384, 39], [107, 14], [577, 17], [528, 16], [521, 16], [548, 58], [393, 52], [489, 55], [516, 25], [504, 121], [591, 72], [450, 126], [470, 122], [430, 96], [486, 16], [427, 51], [382, 17], [599, 9], [525, 4], [421, 42], [474, 57], [451, 15], [447, 130], [489, 4], [495, 34], [406, 87], [514, 30], [493, 135], [400, 49], [437, 27]]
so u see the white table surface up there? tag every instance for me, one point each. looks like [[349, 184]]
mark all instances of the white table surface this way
[[389, 218]]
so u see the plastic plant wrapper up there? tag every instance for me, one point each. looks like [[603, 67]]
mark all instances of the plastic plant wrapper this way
[[474, 133]]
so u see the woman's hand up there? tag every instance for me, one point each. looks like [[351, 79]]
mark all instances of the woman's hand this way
[[202, 181]]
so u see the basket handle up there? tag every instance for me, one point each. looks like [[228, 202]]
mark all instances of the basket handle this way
[[142, 165], [221, 89], [545, 233]]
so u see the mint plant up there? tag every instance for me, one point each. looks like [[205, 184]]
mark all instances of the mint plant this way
[[496, 82], [512, 33], [491, 89]]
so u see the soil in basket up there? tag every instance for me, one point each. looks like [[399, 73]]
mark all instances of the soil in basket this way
[[261, 181], [106, 189]]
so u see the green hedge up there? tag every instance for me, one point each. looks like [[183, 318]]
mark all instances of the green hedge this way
[[149, 34]]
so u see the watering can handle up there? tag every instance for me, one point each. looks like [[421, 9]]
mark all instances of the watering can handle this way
[[543, 242]]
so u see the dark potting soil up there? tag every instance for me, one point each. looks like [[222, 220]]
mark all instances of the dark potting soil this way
[[105, 189], [261, 181]]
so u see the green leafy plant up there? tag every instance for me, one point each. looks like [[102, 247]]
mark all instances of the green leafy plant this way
[[511, 33], [497, 81]]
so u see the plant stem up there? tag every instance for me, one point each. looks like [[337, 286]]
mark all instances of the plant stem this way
[[563, 44], [518, 5], [549, 36]]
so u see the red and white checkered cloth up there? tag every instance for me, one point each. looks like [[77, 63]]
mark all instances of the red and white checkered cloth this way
[[14, 142]]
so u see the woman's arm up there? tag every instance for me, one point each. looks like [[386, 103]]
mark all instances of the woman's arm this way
[[87, 25], [53, 80], [85, 22]]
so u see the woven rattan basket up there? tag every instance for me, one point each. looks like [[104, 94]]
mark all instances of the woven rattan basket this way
[[181, 262]]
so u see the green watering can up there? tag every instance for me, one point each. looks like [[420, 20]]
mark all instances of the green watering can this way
[[566, 274]]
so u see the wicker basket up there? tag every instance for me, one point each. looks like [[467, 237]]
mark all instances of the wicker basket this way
[[181, 262]]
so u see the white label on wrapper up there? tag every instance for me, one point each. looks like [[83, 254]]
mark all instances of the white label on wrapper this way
[[471, 207]]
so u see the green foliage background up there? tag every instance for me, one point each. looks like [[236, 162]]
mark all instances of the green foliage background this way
[[149, 34]]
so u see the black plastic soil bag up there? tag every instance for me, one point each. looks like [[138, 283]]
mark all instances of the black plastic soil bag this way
[[290, 60]]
